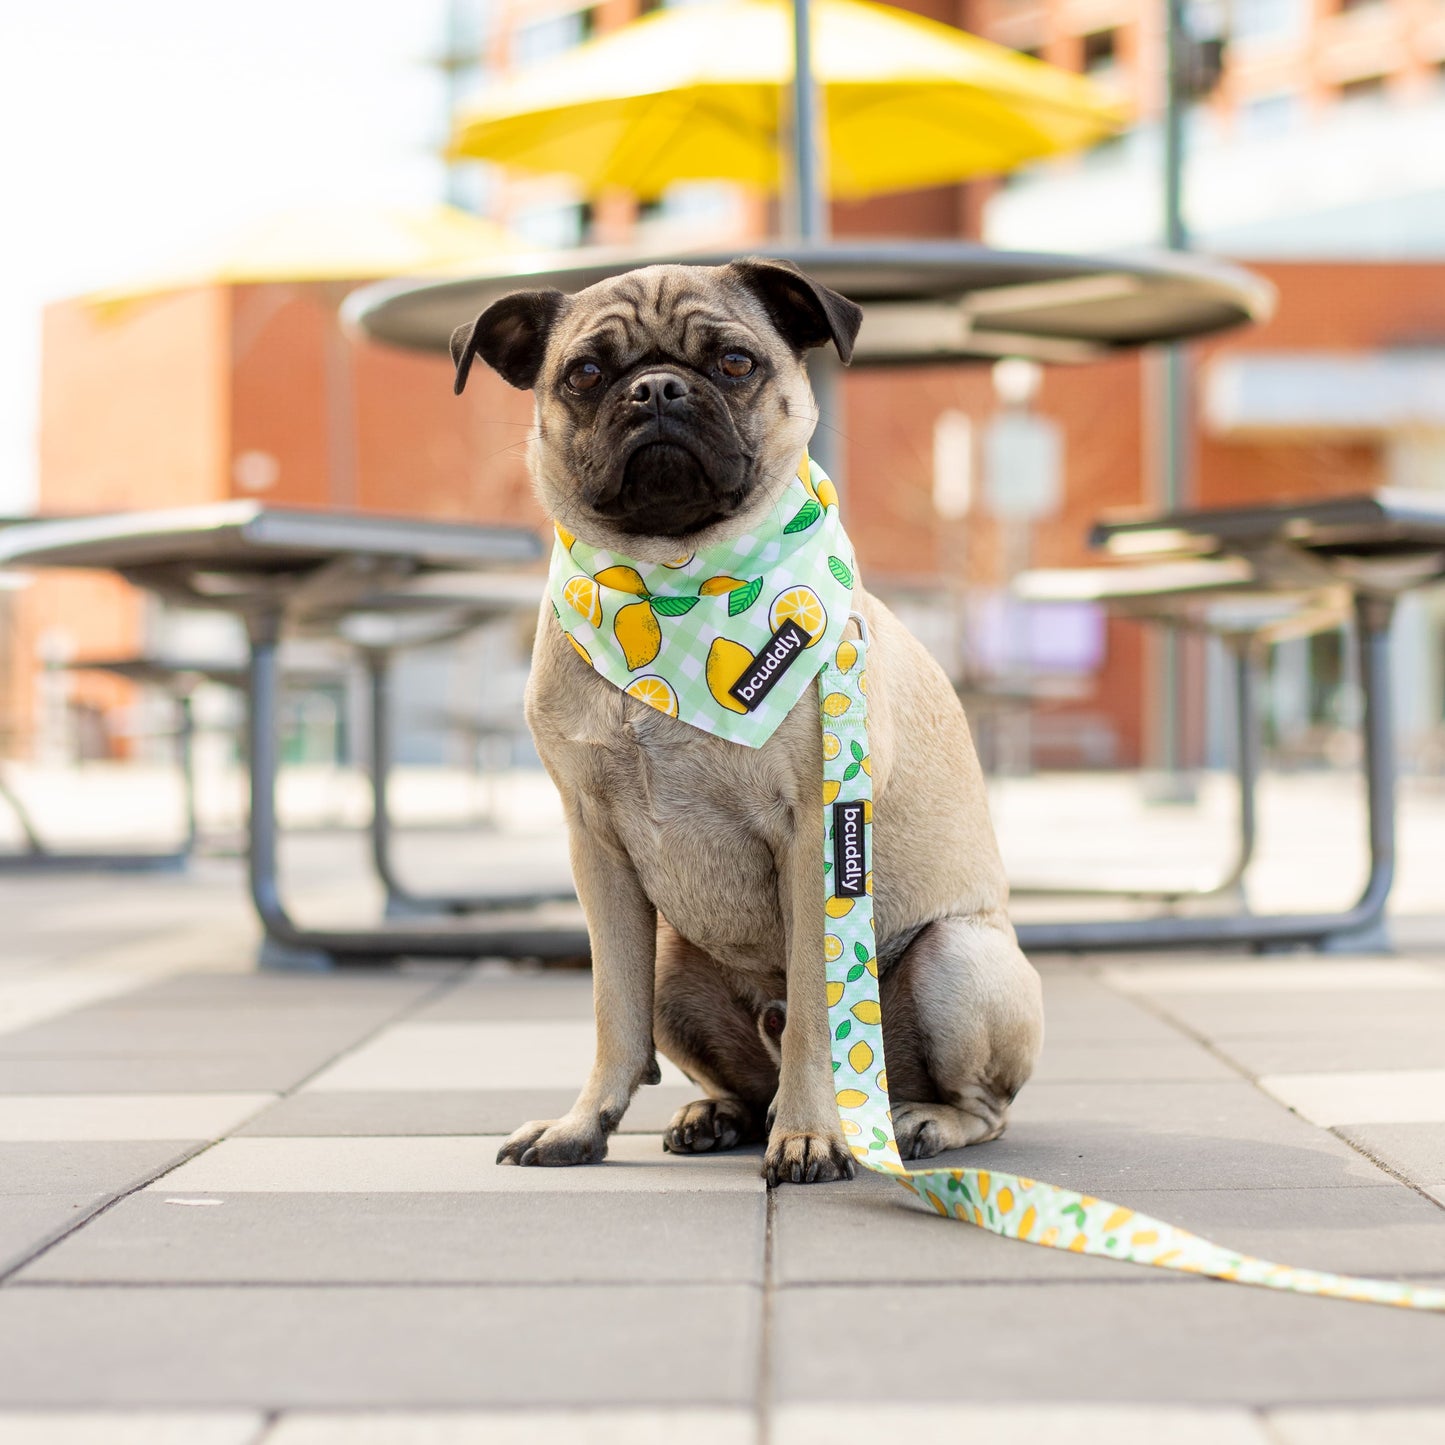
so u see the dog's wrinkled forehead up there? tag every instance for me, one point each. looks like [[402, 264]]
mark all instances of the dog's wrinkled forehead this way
[[780, 310]]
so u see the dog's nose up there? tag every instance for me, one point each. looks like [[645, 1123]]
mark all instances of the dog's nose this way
[[658, 390]]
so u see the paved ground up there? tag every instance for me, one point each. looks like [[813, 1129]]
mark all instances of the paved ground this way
[[237, 1208]]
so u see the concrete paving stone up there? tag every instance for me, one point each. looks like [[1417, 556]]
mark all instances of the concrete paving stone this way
[[1415, 1150], [1079, 1009], [1288, 1013], [1276, 975], [494, 995], [1077, 1424], [1125, 1062], [1324, 1053], [31, 1221], [1389, 1096], [520, 1427], [95, 1427], [1357, 1427], [523, 1054], [450, 1111], [60, 1117], [564, 1237], [270, 1072], [356, 1348], [635, 1163], [84, 1169], [383, 991], [1197, 1341]]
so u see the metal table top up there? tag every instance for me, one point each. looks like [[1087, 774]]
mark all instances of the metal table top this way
[[1384, 542], [923, 301]]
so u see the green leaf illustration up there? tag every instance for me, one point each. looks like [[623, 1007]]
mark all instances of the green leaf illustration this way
[[879, 1135], [741, 598], [804, 517], [837, 1064], [840, 571], [856, 748], [855, 973], [844, 1029], [672, 606], [850, 772], [827, 868], [860, 953]]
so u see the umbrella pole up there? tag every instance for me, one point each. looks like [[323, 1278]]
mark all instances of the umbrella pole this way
[[811, 224]]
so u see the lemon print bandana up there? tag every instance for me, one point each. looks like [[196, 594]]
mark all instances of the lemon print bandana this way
[[729, 640]]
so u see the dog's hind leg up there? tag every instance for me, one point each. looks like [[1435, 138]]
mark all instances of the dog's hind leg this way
[[707, 1022], [963, 1010]]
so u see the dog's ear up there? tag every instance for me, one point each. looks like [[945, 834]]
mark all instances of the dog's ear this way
[[510, 336], [804, 311]]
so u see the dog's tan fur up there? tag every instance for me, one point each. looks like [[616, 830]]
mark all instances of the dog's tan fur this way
[[699, 862]]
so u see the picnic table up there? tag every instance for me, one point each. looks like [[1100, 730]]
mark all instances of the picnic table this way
[[381, 582], [1368, 550]]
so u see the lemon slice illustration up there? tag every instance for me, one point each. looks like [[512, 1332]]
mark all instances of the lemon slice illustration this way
[[832, 949], [581, 595], [801, 605], [655, 692], [638, 634], [563, 535], [581, 651], [726, 662], [831, 788], [831, 746]]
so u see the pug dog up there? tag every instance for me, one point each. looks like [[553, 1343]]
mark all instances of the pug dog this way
[[672, 405]]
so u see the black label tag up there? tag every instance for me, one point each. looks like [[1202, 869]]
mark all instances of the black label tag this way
[[850, 854], [783, 650]]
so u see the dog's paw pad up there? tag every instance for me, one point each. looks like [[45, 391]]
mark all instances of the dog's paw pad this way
[[708, 1125]]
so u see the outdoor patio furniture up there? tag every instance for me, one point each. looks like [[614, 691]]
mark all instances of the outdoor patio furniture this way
[[321, 572], [1218, 598], [1374, 548]]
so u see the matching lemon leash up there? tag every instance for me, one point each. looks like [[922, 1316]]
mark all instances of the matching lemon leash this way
[[1006, 1204]]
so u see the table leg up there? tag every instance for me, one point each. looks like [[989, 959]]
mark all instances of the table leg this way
[[1357, 929]]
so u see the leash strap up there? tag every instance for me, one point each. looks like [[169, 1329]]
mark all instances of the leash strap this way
[[1006, 1204]]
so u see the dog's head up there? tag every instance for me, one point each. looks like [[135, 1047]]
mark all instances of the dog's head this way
[[672, 402]]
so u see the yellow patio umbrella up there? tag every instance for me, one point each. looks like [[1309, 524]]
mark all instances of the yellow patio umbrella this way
[[330, 243], [702, 92]]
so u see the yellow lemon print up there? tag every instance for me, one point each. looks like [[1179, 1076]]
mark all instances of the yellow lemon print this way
[[638, 634], [832, 950], [883, 1080], [622, 579], [1079, 1243], [831, 789], [1005, 1200], [717, 585], [680, 561], [655, 692], [835, 992], [863, 683], [1118, 1217], [563, 535], [805, 475], [983, 1183], [801, 605], [827, 493], [867, 1012], [581, 651], [726, 662], [831, 746], [1049, 1235], [581, 595], [1145, 1236], [868, 883], [838, 907], [1026, 1224], [845, 656], [937, 1203], [859, 1057], [836, 704], [851, 1127], [868, 807], [851, 1098]]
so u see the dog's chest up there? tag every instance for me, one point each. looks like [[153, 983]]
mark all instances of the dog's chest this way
[[700, 819]]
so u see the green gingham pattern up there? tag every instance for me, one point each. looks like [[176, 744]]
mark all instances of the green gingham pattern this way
[[1006, 1204], [678, 635]]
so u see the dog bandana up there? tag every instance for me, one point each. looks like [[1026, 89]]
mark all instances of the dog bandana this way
[[728, 641]]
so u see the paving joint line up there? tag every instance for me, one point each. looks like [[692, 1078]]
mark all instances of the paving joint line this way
[[7, 1275], [765, 1333]]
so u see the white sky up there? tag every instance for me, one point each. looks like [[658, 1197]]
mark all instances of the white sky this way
[[133, 129]]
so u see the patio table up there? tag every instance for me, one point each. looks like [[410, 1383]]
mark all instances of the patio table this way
[[1374, 547], [324, 572]]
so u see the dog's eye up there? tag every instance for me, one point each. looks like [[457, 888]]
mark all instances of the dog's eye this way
[[585, 376], [736, 364]]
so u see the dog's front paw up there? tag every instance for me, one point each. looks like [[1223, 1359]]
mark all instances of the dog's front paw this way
[[709, 1125], [803, 1158], [554, 1142]]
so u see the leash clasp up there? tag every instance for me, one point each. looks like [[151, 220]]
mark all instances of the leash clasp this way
[[862, 627]]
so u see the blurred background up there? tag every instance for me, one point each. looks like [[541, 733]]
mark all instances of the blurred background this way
[[148, 359]]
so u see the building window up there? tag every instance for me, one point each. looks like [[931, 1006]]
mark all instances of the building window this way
[[1367, 90], [543, 39], [1267, 19], [556, 226], [1101, 53]]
